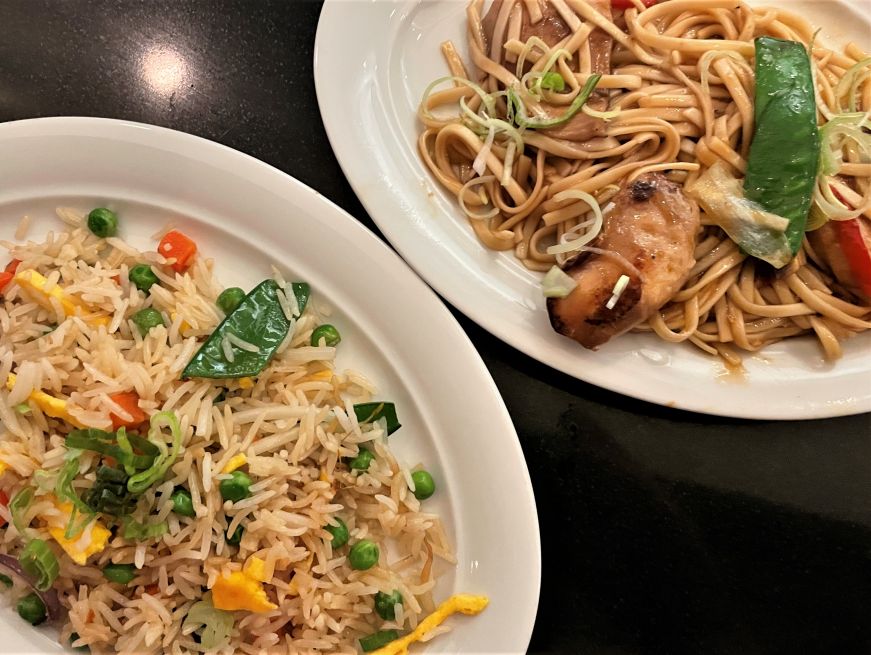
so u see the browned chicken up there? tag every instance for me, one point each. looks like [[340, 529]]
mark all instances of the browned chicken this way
[[653, 226], [552, 29]]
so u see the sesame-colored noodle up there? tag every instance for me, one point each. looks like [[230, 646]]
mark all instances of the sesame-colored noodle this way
[[681, 81]]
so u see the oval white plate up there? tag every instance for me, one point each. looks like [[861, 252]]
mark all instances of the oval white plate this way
[[245, 214], [372, 62]]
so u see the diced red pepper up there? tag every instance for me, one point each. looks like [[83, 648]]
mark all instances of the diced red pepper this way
[[129, 401], [854, 247], [4, 500], [180, 247], [8, 273]]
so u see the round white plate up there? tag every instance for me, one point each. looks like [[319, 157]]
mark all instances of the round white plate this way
[[245, 215], [372, 62]]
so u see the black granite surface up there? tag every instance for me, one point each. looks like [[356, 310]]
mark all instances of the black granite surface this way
[[662, 531]]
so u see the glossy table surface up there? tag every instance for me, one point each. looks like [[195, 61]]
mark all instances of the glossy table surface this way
[[662, 531]]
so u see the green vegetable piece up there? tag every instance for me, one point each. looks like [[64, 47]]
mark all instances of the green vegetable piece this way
[[142, 277], [378, 640], [424, 485], [141, 481], [785, 151], [369, 412], [362, 461], [236, 538], [553, 81], [105, 443], [18, 506], [517, 111], [230, 299], [22, 408], [39, 562], [142, 531], [236, 487], [120, 573], [32, 609], [147, 318], [103, 222], [216, 624], [182, 503], [6, 580], [328, 333], [340, 533], [385, 604], [363, 555], [259, 320]]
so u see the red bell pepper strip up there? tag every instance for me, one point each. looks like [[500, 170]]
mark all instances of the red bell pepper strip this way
[[854, 247], [8, 273]]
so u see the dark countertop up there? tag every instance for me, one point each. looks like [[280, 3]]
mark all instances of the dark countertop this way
[[662, 531]]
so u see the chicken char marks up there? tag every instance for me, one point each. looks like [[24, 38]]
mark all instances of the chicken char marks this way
[[653, 226], [552, 29]]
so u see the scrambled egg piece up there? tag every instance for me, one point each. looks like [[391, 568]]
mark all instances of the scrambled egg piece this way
[[183, 327], [255, 568], [92, 540], [246, 383], [3, 467], [239, 591], [235, 462], [465, 603], [50, 406], [33, 284], [320, 376]]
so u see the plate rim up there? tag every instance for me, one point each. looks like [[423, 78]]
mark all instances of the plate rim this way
[[124, 131], [368, 195]]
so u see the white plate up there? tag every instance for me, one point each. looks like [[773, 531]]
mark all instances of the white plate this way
[[245, 215], [372, 62]]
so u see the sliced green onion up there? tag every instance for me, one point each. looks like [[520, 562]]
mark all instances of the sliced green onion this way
[[849, 84], [486, 98], [523, 120], [585, 231], [39, 563], [370, 412], [63, 487], [840, 131], [216, 624], [141, 481], [18, 506], [617, 291], [552, 81], [557, 284], [22, 408], [141, 531]]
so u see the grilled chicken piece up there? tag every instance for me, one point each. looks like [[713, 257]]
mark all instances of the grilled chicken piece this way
[[552, 29], [653, 226], [827, 244]]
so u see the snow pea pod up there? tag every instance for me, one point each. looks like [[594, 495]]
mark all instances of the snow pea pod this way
[[784, 154], [258, 320]]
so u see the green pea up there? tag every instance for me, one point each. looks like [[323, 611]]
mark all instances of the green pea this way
[[385, 604], [236, 487], [182, 503], [142, 277], [378, 640], [340, 533], [6, 580], [230, 299], [236, 538], [362, 461], [103, 222], [328, 333], [424, 485], [121, 573], [32, 609], [147, 318], [364, 555]]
